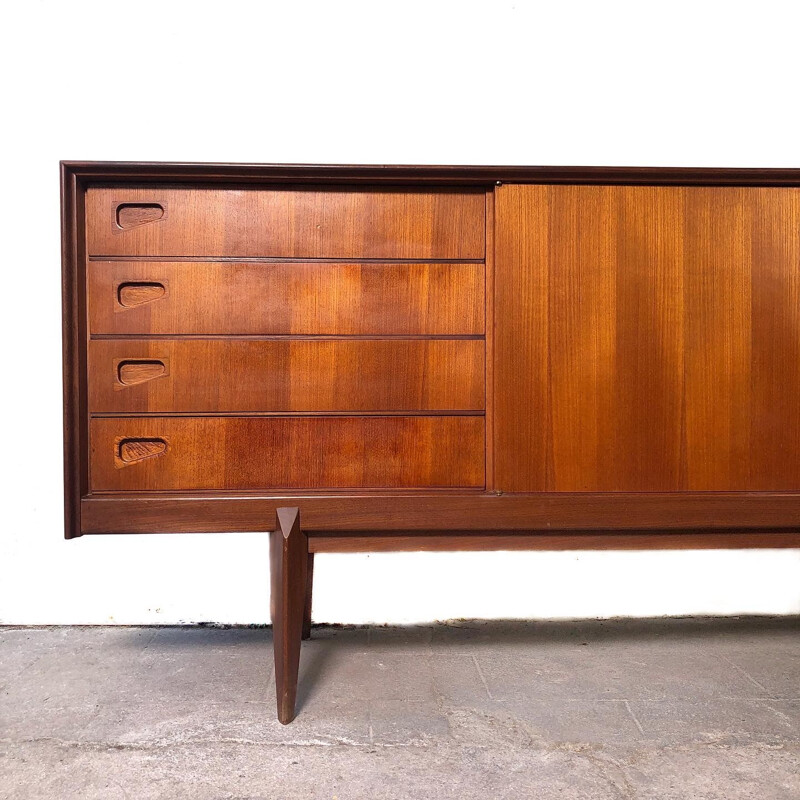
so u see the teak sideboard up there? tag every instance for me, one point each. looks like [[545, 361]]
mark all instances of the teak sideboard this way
[[430, 358]]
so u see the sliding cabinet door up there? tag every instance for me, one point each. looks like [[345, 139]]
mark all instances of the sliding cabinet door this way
[[647, 339]]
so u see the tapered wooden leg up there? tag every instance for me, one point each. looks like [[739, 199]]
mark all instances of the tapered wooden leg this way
[[288, 571], [309, 590]]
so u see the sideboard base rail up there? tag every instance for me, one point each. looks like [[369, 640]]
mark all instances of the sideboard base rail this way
[[445, 512], [436, 541]]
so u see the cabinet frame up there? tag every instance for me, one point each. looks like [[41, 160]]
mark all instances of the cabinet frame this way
[[418, 519]]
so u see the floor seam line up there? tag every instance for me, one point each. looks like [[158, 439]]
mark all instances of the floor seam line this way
[[633, 717], [748, 676], [481, 676]]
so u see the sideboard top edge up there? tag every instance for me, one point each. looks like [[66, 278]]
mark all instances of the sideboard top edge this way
[[437, 175]]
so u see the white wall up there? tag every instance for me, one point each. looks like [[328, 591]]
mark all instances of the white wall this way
[[660, 83]]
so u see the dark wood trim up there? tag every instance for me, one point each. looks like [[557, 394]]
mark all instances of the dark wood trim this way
[[75, 418], [577, 540], [447, 511], [143, 172]]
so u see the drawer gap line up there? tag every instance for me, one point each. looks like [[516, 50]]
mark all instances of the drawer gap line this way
[[412, 413], [292, 336], [288, 260]]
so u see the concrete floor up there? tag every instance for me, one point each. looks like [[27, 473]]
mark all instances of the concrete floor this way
[[622, 709]]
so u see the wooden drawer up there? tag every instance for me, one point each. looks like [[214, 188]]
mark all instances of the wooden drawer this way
[[250, 453], [285, 298], [232, 375], [159, 221]]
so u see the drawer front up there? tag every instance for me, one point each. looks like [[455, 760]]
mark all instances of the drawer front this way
[[156, 221], [281, 298], [233, 375], [251, 453]]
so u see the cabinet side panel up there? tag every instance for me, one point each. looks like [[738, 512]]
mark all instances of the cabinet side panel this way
[[718, 342], [648, 339], [743, 343], [646, 451], [582, 337], [590, 338], [521, 407], [775, 370]]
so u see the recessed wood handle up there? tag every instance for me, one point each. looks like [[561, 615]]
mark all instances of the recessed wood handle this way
[[135, 371], [132, 215], [136, 293], [131, 450]]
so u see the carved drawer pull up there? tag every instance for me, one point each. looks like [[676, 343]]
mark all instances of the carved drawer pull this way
[[132, 215], [134, 371], [136, 293], [129, 451]]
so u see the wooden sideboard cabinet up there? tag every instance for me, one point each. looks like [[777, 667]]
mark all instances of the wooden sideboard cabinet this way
[[430, 358]]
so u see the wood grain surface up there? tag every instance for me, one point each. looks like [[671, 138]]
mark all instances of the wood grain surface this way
[[246, 453], [285, 298], [649, 339], [230, 375], [302, 223]]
